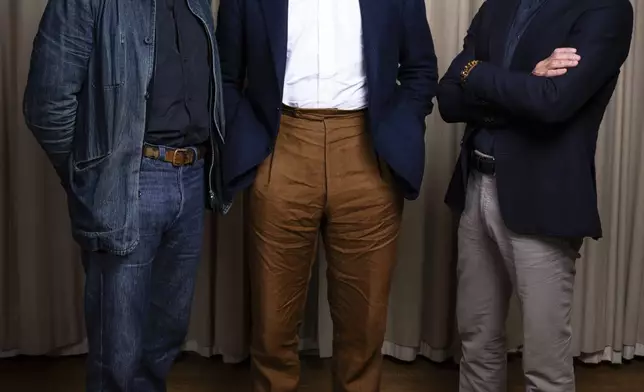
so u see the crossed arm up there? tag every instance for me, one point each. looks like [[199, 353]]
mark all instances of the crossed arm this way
[[454, 103], [58, 71], [602, 37]]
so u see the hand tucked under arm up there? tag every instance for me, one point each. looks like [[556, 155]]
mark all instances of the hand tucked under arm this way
[[558, 63]]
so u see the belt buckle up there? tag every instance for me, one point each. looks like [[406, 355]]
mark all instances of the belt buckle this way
[[184, 152], [481, 161]]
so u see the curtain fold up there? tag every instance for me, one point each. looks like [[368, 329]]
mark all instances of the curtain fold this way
[[41, 276]]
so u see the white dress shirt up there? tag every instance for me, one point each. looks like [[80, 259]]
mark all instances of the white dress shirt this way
[[324, 63]]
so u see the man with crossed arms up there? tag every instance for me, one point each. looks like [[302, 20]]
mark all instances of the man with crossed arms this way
[[524, 184]]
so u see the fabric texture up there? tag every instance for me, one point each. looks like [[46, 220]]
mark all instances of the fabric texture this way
[[41, 276]]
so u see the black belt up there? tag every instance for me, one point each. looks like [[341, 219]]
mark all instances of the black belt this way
[[482, 163]]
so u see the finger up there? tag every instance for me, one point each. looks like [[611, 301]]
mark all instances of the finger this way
[[565, 56], [555, 64], [556, 72], [565, 50]]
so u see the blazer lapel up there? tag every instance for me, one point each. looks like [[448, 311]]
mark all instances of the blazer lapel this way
[[276, 17], [503, 15], [550, 10]]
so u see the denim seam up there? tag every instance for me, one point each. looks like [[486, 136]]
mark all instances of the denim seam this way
[[146, 309], [102, 326], [181, 196]]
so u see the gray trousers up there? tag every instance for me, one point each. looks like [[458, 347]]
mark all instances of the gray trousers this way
[[492, 261]]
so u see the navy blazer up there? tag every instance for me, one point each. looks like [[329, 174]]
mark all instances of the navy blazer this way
[[398, 46], [546, 128]]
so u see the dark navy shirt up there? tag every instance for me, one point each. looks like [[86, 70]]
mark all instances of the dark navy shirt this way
[[484, 138], [178, 111]]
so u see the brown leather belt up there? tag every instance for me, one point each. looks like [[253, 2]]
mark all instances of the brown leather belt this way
[[295, 112], [175, 156]]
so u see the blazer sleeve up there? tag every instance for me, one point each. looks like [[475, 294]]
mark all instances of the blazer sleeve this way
[[454, 103], [230, 40], [418, 71], [57, 73], [602, 37]]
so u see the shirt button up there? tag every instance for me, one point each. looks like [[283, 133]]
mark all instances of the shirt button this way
[[148, 40]]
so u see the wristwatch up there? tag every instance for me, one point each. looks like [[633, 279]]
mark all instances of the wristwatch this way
[[468, 69]]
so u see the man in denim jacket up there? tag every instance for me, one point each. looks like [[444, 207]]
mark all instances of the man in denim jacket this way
[[125, 99]]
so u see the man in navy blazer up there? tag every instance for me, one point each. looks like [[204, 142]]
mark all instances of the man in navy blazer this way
[[325, 105], [525, 182]]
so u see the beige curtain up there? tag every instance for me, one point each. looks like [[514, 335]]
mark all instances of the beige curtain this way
[[41, 278]]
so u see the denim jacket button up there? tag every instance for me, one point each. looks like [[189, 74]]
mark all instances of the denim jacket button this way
[[147, 40]]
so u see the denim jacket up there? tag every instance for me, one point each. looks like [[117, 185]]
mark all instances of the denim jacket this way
[[85, 102]]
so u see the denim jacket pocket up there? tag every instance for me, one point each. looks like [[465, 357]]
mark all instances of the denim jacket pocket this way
[[110, 62], [97, 139], [88, 164], [97, 196]]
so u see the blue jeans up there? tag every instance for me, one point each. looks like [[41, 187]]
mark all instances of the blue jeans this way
[[137, 307]]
